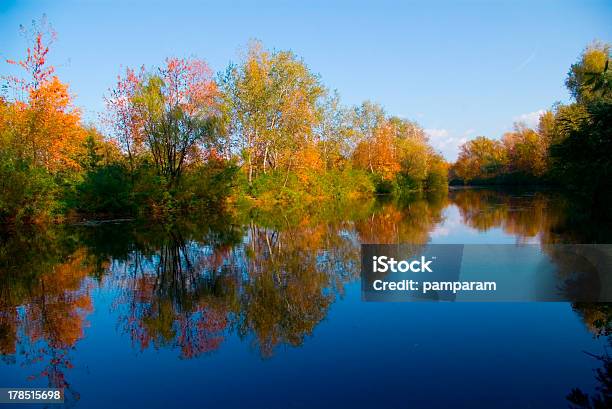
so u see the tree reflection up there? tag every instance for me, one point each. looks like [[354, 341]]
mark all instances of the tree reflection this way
[[598, 318], [272, 280], [548, 216], [521, 214], [176, 291], [287, 291], [395, 222], [269, 276], [44, 302]]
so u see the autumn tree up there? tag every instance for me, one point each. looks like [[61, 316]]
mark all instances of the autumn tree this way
[[169, 112], [581, 146], [41, 136], [121, 117], [526, 151], [333, 132], [379, 153], [272, 99], [366, 120], [480, 158], [42, 124], [396, 150], [546, 126]]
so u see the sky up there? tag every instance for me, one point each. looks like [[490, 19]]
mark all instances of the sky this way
[[459, 68]]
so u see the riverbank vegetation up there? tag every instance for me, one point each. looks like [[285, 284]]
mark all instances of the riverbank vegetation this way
[[176, 137], [571, 147]]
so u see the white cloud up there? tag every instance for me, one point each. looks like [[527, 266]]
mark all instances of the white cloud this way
[[447, 143], [436, 133], [440, 231], [530, 119]]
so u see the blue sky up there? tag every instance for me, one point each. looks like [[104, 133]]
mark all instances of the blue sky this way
[[459, 68]]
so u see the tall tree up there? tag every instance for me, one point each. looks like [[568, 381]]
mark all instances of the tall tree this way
[[41, 120], [273, 102], [333, 133], [367, 119]]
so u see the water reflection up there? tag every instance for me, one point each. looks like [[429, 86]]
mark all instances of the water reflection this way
[[268, 277], [547, 216], [523, 215], [44, 302], [598, 318]]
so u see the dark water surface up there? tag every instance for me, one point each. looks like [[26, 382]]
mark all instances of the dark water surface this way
[[262, 309]]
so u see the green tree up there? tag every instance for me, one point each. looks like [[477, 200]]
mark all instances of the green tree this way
[[590, 78]]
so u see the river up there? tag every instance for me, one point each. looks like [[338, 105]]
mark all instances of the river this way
[[263, 309]]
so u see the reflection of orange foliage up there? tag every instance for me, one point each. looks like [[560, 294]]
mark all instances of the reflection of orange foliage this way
[[58, 315], [410, 224], [596, 317], [8, 329], [291, 274], [55, 307], [522, 216]]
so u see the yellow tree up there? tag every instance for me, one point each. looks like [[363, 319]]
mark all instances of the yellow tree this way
[[273, 101], [379, 153], [527, 151], [480, 158]]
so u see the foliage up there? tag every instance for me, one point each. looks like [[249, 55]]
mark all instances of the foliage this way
[[481, 157], [265, 131], [590, 79], [271, 98], [105, 190], [27, 192], [167, 114], [396, 152], [582, 155]]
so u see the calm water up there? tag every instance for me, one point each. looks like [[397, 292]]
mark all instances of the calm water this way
[[262, 309]]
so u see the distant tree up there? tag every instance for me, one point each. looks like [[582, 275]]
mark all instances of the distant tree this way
[[480, 158], [526, 151]]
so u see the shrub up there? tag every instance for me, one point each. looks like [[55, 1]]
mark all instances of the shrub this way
[[27, 193], [105, 190]]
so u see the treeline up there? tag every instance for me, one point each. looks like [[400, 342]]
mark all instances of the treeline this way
[[177, 137], [571, 147]]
